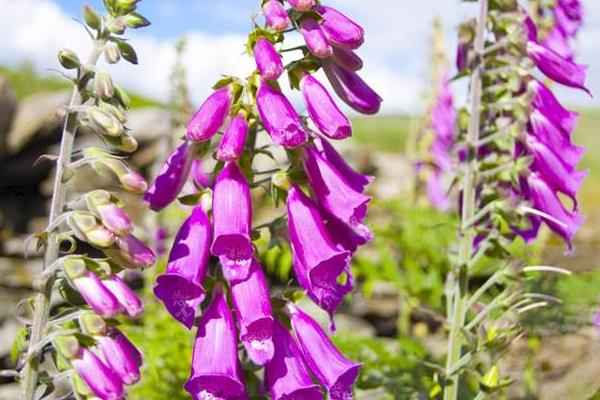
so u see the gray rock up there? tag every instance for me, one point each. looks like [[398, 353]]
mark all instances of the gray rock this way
[[8, 105]]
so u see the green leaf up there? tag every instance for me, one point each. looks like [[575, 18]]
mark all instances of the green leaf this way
[[127, 51], [19, 344]]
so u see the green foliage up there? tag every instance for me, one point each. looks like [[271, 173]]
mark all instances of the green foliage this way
[[387, 134]]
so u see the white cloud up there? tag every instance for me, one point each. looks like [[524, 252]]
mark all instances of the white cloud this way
[[396, 49]]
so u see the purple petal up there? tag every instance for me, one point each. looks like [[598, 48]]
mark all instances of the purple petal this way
[[125, 296], [340, 30], [352, 89], [210, 116], [268, 60], [231, 146], [322, 109], [315, 38], [103, 382]]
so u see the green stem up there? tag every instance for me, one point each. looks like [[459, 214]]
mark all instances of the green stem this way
[[41, 308], [460, 278]]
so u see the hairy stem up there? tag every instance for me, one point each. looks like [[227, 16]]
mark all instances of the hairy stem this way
[[41, 308], [460, 290]]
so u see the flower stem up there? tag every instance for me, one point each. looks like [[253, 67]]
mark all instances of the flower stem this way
[[41, 308], [459, 294]]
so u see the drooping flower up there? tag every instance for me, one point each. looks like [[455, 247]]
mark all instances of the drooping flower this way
[[329, 365], [113, 218], [318, 262], [334, 194], [210, 116], [546, 104], [315, 38], [286, 375], [216, 370], [232, 143], [201, 179], [253, 309], [180, 287], [103, 382], [559, 43], [279, 117], [124, 294], [232, 217], [171, 178], [323, 111], [275, 15], [301, 5], [351, 88], [120, 355], [340, 30], [347, 59], [268, 60], [131, 252]]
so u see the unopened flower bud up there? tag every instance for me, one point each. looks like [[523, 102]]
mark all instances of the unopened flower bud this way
[[116, 111], [126, 6], [315, 38], [301, 5], [114, 219], [92, 18], [122, 96], [92, 324], [105, 123], [206, 200], [115, 25], [281, 180], [268, 61], [74, 267], [87, 229], [276, 16], [67, 345], [135, 20], [68, 59], [103, 85], [112, 54], [131, 252]]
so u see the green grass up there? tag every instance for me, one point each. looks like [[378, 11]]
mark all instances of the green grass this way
[[25, 82], [382, 133]]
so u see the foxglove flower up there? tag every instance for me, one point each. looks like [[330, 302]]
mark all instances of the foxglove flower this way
[[131, 252], [125, 296], [301, 5], [346, 237], [103, 382], [565, 223], [216, 370], [253, 310], [331, 368], [556, 67], [356, 180], [557, 41], [436, 193], [120, 355], [318, 262], [347, 59], [180, 287], [268, 60], [279, 117], [545, 102], [114, 219], [231, 146], [275, 15], [200, 178], [232, 216], [170, 179], [352, 89], [340, 30], [210, 116], [323, 111], [334, 194], [567, 25], [286, 375], [315, 38]]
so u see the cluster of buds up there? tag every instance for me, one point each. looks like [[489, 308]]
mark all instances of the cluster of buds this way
[[100, 360], [324, 229]]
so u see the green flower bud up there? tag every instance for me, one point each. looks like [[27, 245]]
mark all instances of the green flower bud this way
[[74, 267], [125, 6], [68, 346], [115, 25], [97, 198], [68, 59], [116, 111], [105, 123], [103, 85], [111, 54], [122, 96], [135, 20], [281, 180], [92, 324], [127, 52], [88, 229], [101, 237], [125, 143], [92, 18]]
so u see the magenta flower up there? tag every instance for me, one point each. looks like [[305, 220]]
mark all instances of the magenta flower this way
[[232, 217], [253, 309], [356, 180], [572, 8], [200, 178], [286, 375], [125, 296], [301, 5], [216, 370], [170, 179], [567, 25], [436, 193], [275, 15], [120, 355], [315, 38], [557, 41], [102, 381], [318, 261], [180, 287], [114, 218], [556, 67], [341, 30], [321, 108], [334, 194], [231, 146], [347, 59], [548, 105], [547, 133], [210, 116], [131, 252], [565, 223], [331, 368], [352, 89], [279, 117], [268, 60], [96, 295], [346, 237]]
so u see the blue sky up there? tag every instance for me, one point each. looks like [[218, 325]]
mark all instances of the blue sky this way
[[396, 50]]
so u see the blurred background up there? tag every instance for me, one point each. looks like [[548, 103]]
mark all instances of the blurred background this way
[[394, 320]]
